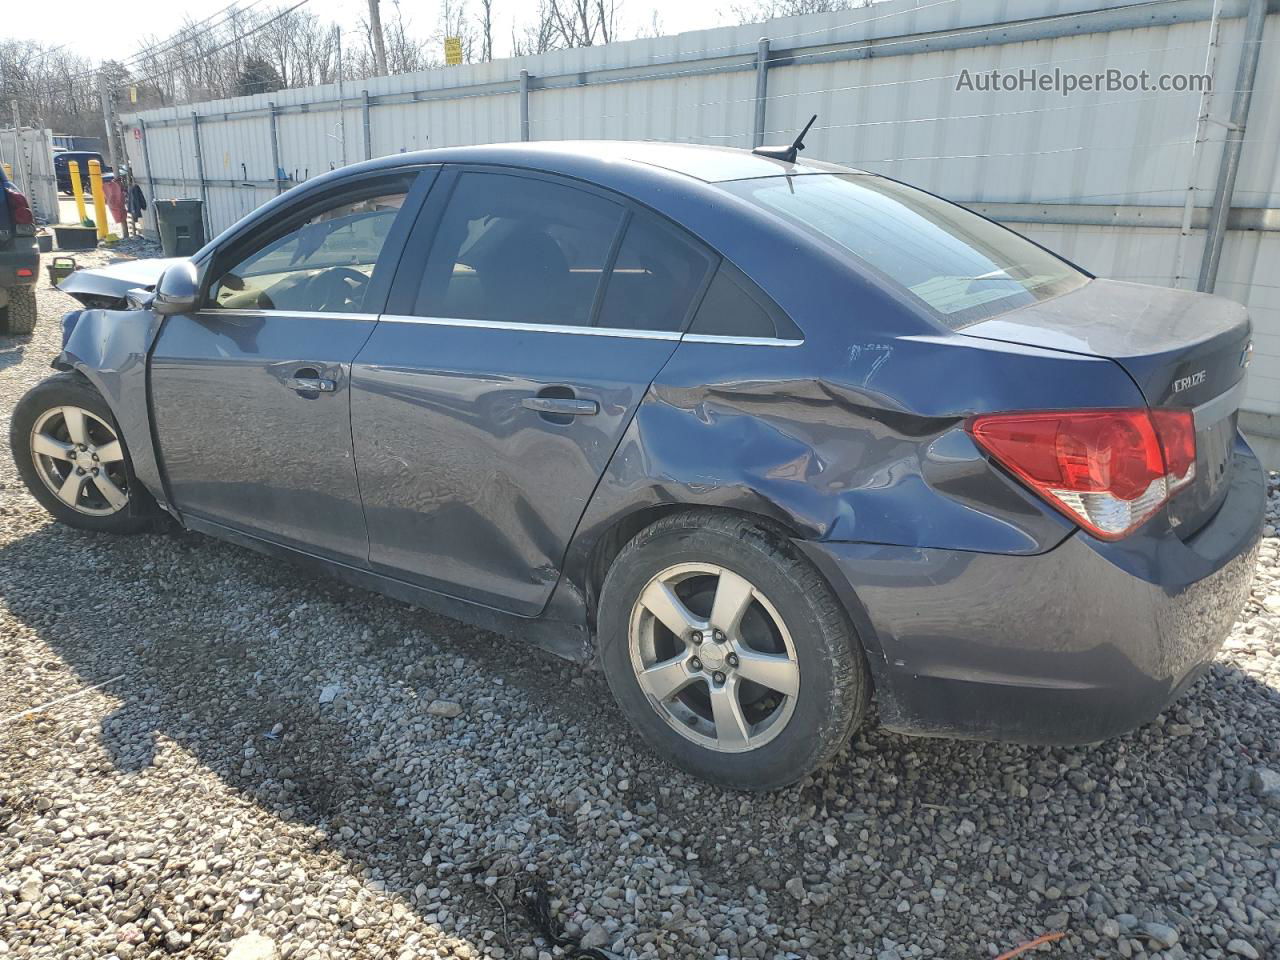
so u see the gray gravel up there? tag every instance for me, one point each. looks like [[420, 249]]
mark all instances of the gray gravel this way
[[278, 766]]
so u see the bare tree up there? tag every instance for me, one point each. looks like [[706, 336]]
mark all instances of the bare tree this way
[[455, 22], [486, 30], [761, 10], [583, 23], [654, 28], [52, 87], [538, 36]]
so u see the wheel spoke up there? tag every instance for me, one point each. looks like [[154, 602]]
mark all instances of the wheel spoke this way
[[46, 445], [664, 680], [73, 417], [110, 452], [115, 496], [660, 600], [731, 725], [733, 597], [775, 672], [69, 492]]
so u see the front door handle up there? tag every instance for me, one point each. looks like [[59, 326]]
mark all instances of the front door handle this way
[[311, 385], [561, 406]]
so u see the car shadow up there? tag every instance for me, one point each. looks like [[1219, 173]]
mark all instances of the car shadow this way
[[12, 347], [228, 655]]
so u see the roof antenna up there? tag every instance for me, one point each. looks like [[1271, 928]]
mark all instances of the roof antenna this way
[[786, 154]]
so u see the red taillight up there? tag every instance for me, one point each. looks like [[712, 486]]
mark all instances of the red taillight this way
[[1108, 470], [1177, 432], [19, 209]]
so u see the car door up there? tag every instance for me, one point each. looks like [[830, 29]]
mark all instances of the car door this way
[[494, 391], [251, 394]]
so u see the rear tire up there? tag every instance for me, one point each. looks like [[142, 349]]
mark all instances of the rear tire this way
[[20, 315], [729, 652], [70, 454]]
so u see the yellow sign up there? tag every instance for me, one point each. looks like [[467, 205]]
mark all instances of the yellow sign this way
[[133, 94], [452, 51]]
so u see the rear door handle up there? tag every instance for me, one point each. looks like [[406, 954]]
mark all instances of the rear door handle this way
[[561, 406], [311, 385]]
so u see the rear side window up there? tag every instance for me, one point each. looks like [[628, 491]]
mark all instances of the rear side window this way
[[655, 280], [518, 250], [736, 307], [960, 266]]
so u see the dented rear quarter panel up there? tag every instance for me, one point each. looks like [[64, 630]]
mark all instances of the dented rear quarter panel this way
[[854, 435]]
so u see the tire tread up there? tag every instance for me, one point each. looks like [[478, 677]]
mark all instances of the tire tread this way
[[842, 649]]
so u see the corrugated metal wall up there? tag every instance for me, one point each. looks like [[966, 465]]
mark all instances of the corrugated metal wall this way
[[1082, 174], [29, 153]]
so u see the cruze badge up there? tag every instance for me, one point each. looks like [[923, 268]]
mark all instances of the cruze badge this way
[[1186, 383]]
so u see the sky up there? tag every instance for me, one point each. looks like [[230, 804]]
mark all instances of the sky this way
[[101, 31]]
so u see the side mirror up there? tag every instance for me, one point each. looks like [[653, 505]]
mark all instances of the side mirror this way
[[178, 290]]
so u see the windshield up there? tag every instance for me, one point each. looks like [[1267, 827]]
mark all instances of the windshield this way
[[960, 266]]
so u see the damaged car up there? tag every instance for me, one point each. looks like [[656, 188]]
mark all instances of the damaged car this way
[[761, 437]]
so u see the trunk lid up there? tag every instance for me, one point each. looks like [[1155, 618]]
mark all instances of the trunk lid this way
[[1182, 349]]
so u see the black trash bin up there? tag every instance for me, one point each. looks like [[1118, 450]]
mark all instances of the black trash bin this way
[[181, 224]]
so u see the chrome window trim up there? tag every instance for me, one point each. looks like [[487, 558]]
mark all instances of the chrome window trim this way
[[1220, 407], [535, 327], [304, 314], [590, 331], [741, 341]]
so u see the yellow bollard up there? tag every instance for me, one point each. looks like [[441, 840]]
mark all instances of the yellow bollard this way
[[8, 170], [99, 198], [77, 190]]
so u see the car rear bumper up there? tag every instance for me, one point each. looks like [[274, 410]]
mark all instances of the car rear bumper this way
[[1081, 643], [22, 254]]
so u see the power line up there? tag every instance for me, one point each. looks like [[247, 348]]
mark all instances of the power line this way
[[234, 40], [181, 34], [185, 33]]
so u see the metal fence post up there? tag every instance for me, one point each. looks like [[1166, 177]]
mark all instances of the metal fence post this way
[[524, 104], [368, 130], [204, 192], [1229, 166], [151, 180], [762, 88], [272, 112]]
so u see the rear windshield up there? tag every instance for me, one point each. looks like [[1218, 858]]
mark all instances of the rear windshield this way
[[960, 266]]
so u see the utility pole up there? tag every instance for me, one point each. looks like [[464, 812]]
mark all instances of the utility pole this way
[[108, 121], [379, 46], [113, 146]]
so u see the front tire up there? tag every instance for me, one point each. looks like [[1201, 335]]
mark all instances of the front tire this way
[[20, 314], [70, 454], [729, 652]]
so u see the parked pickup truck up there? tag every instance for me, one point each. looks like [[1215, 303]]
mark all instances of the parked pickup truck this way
[[19, 260]]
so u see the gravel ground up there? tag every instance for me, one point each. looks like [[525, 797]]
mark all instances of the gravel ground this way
[[279, 766]]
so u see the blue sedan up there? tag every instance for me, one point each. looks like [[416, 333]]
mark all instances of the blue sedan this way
[[762, 437]]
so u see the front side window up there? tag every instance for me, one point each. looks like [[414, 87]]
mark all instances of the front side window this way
[[961, 267], [322, 265], [516, 249]]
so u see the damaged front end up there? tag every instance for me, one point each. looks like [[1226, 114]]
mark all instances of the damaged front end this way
[[109, 349], [108, 288]]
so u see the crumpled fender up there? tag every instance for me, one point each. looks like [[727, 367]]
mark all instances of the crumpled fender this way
[[109, 348]]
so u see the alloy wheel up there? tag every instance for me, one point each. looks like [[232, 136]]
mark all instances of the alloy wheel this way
[[79, 457], [714, 657]]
